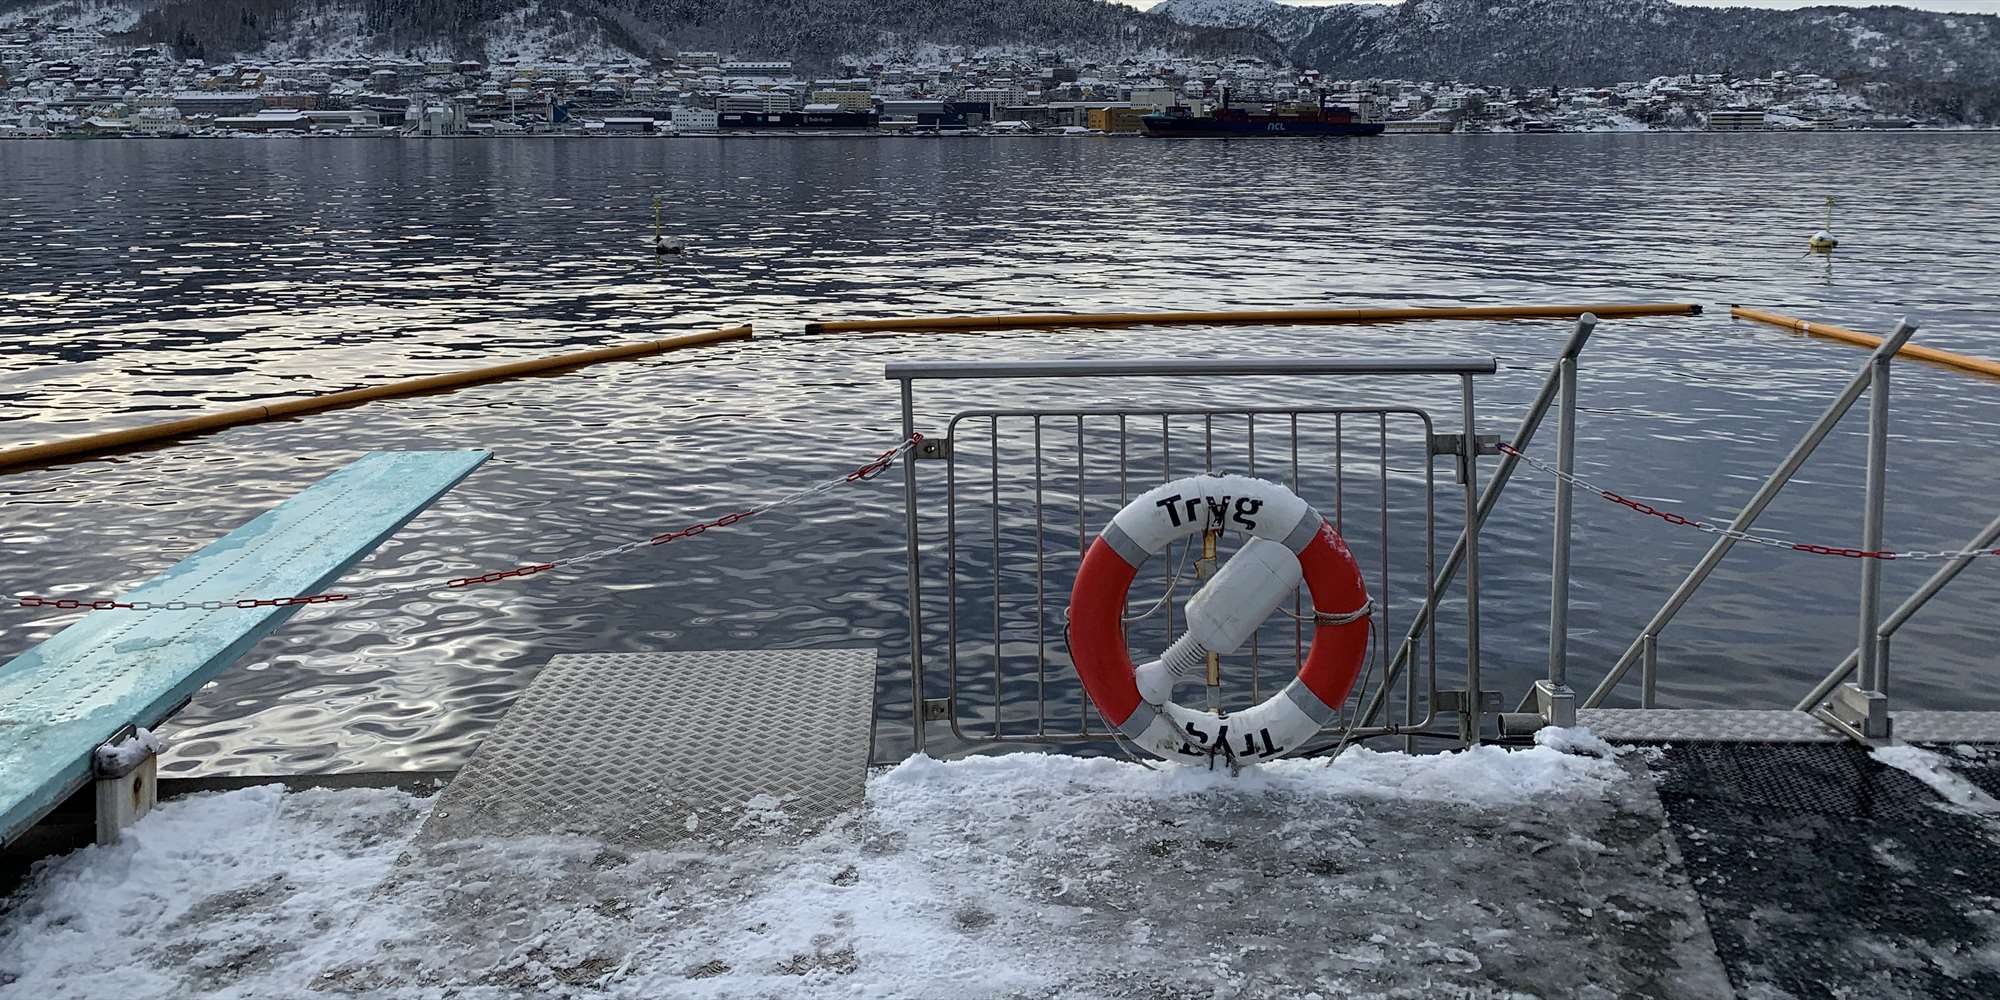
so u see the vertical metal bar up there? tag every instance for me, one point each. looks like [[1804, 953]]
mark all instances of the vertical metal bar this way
[[1298, 609], [1649, 670], [1082, 545], [1427, 621], [1256, 653], [1559, 558], [1383, 603], [1471, 725], [951, 571], [915, 579], [1339, 473], [1766, 493], [1882, 661], [1871, 524], [1122, 499], [993, 427], [1081, 539], [1041, 599], [1167, 475]]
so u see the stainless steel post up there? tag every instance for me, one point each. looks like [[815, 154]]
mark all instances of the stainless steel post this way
[[1649, 672], [1554, 701], [1524, 435], [915, 578], [1871, 524], [1559, 556], [1472, 719], [1766, 493], [1938, 581]]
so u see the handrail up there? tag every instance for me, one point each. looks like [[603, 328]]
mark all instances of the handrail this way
[[900, 371], [1903, 613], [1388, 314], [1773, 484], [1489, 498]]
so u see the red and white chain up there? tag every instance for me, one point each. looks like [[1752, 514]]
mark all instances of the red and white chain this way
[[869, 471], [1742, 536]]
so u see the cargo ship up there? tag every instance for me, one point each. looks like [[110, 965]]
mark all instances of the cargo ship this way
[[1238, 123]]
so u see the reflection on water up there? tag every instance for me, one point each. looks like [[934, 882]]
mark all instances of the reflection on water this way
[[147, 279]]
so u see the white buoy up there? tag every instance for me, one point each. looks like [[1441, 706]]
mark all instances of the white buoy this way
[[1824, 241], [661, 245]]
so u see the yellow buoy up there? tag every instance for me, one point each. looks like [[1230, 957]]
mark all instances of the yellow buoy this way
[[1824, 241]]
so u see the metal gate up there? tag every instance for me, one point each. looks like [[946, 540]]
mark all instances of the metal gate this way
[[1026, 490]]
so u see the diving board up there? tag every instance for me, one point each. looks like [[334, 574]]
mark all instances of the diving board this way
[[62, 699]]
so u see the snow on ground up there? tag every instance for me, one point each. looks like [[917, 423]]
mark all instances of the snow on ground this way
[[1478, 874], [1933, 769]]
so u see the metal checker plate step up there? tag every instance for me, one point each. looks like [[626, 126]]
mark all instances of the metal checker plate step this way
[[642, 749], [1777, 726]]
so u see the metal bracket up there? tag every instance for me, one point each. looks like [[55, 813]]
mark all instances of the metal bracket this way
[[1556, 705], [932, 449], [1455, 700], [1863, 713], [937, 709], [1454, 444], [126, 789]]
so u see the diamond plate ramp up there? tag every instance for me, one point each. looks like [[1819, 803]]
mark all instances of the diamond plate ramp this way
[[643, 749]]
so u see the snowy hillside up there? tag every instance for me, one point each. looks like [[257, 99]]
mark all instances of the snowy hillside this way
[[811, 33], [1584, 42], [1285, 22]]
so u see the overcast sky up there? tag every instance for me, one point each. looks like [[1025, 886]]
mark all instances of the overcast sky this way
[[1969, 6]]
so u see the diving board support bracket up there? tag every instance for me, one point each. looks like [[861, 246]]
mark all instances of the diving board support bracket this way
[[125, 772]]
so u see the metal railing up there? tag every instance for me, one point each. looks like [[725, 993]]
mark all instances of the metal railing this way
[[1860, 708], [1030, 469], [1001, 656]]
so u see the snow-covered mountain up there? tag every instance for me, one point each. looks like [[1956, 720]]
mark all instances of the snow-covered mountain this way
[[1283, 21], [1543, 42], [812, 32]]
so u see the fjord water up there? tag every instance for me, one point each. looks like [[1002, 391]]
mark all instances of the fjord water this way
[[146, 280]]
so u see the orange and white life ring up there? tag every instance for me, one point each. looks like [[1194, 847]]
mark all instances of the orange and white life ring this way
[[1186, 508]]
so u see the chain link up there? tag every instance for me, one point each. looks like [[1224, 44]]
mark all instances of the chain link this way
[[866, 472], [1742, 536]]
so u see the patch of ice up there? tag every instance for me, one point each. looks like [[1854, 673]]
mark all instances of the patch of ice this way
[[202, 886], [1575, 739], [1930, 768], [1021, 875]]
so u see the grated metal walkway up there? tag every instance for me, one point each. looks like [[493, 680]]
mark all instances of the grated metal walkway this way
[[1824, 872]]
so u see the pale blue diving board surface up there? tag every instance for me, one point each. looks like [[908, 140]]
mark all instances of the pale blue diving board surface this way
[[61, 699]]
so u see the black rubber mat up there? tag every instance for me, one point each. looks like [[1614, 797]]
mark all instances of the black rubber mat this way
[[1824, 873]]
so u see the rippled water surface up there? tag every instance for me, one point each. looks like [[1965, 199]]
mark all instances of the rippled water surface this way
[[145, 280]]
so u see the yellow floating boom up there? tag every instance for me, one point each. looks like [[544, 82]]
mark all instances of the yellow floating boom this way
[[132, 437], [1303, 316], [1964, 362]]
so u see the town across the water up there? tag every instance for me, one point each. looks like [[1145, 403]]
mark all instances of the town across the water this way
[[67, 82]]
